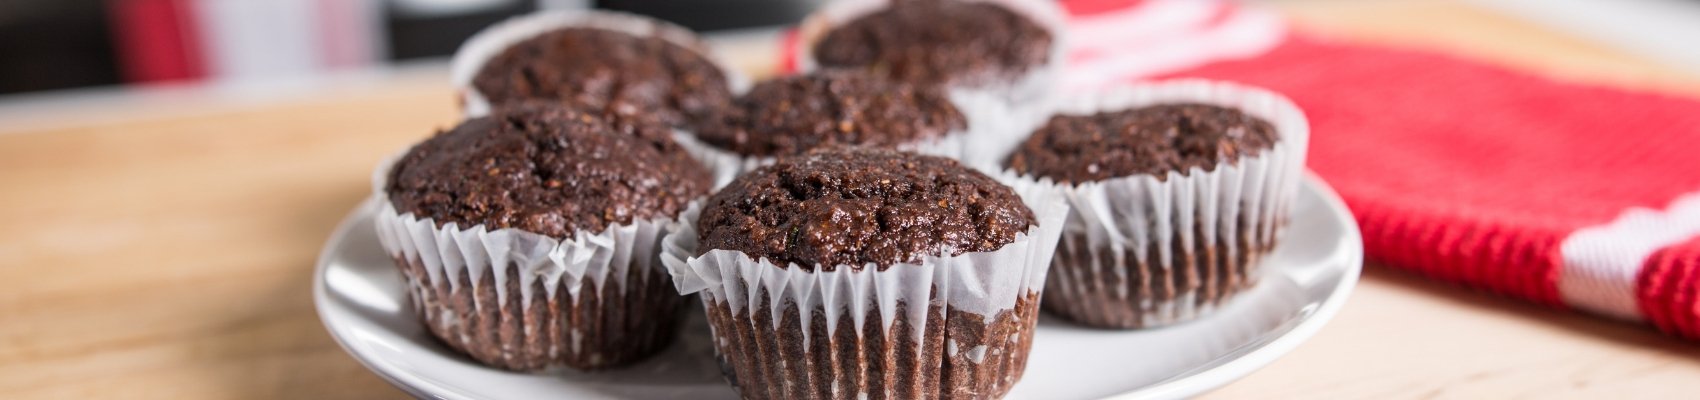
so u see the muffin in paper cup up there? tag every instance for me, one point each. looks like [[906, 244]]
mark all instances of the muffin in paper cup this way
[[1017, 97], [951, 322], [1160, 247], [488, 231], [789, 115], [609, 88]]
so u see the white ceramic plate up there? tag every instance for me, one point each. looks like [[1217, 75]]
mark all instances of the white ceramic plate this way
[[360, 299]]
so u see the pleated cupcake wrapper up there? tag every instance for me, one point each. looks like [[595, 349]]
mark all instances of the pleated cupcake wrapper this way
[[492, 41], [558, 264], [449, 251], [1024, 98], [989, 285], [1123, 220], [983, 283], [969, 146]]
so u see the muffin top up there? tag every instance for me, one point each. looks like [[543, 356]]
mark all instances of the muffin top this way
[[854, 205], [644, 125], [790, 115], [938, 42], [607, 70], [544, 169], [1151, 140]]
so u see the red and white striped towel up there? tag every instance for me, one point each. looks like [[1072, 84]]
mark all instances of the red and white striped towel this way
[[1572, 196]]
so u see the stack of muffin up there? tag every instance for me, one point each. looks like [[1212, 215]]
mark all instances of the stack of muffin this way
[[880, 226]]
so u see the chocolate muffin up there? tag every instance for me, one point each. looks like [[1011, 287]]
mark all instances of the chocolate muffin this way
[[610, 69], [1159, 167], [546, 184], [790, 115], [810, 238], [1145, 141], [855, 207], [548, 170], [938, 42]]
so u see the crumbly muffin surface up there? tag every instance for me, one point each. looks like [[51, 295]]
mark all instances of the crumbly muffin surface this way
[[938, 42], [607, 69], [548, 170], [856, 206], [791, 115], [1150, 140]]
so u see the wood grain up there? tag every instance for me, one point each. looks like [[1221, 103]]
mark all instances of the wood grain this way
[[171, 258], [168, 255]]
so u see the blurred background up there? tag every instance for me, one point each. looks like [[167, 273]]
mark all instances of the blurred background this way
[[62, 44]]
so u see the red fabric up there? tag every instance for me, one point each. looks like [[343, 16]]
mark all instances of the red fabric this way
[[341, 39], [1668, 289], [156, 40], [1089, 7], [1470, 173], [1221, 14], [788, 50]]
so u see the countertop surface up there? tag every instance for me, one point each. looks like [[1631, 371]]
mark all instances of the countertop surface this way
[[161, 246]]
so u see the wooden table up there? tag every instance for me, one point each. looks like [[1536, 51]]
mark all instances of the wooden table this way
[[163, 248]]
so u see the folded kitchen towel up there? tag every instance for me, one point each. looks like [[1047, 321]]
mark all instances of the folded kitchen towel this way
[[1567, 195], [1562, 194], [1573, 196]]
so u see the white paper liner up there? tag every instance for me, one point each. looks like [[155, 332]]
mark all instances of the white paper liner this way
[[1024, 100], [557, 263], [491, 41], [1197, 208], [981, 283]]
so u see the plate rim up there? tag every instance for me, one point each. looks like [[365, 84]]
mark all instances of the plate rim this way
[[321, 301], [1216, 376], [1187, 384]]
